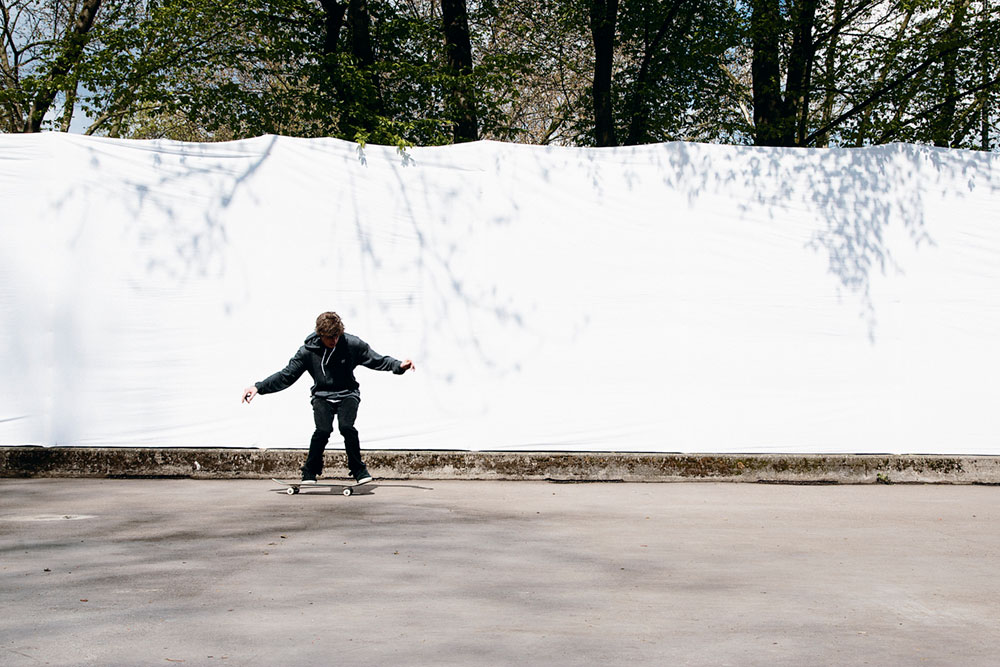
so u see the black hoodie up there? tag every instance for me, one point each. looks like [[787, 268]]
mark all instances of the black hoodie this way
[[332, 371]]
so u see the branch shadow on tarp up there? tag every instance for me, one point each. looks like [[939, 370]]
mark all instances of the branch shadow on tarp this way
[[453, 302], [174, 245], [857, 194], [199, 250]]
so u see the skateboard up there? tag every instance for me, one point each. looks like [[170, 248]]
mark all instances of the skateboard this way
[[293, 487]]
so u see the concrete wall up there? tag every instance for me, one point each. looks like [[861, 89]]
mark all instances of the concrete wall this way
[[570, 467]]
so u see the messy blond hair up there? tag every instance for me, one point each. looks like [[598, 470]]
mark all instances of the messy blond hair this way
[[329, 324]]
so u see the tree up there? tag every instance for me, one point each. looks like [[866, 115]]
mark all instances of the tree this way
[[129, 63], [654, 33], [577, 72], [534, 71], [603, 27], [673, 79], [458, 52], [780, 116], [200, 59], [43, 46], [69, 52], [870, 71], [989, 64]]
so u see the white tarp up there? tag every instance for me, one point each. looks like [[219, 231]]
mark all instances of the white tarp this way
[[676, 297]]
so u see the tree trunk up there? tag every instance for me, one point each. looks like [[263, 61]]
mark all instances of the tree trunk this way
[[984, 139], [638, 105], [458, 49], [944, 125], [765, 30], [361, 27], [798, 84], [12, 111], [72, 50], [68, 107], [823, 140], [333, 22], [603, 23], [362, 101], [781, 119]]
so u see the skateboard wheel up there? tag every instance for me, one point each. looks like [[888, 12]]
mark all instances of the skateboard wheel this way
[[291, 490], [348, 492]]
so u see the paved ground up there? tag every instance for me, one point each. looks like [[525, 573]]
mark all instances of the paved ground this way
[[130, 572]]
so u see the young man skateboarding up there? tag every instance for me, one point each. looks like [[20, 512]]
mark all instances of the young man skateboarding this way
[[330, 356]]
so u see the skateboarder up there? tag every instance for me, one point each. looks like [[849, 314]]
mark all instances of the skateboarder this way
[[330, 356]]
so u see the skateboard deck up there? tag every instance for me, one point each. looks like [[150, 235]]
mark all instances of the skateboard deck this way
[[293, 487]]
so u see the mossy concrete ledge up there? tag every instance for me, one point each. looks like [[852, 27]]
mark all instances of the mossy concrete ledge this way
[[207, 463]]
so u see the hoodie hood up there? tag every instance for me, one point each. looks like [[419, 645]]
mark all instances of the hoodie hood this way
[[313, 342]]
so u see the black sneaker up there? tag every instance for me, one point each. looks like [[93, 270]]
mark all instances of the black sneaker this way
[[308, 477], [362, 476]]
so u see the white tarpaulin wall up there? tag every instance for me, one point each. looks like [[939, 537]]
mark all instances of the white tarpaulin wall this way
[[675, 297]]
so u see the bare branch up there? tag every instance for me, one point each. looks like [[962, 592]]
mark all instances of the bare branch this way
[[882, 91]]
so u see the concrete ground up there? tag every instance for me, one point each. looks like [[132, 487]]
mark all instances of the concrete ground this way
[[137, 572]]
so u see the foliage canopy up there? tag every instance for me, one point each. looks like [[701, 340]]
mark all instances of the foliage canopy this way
[[576, 72]]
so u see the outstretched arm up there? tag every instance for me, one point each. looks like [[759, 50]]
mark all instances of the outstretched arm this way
[[369, 358], [283, 379]]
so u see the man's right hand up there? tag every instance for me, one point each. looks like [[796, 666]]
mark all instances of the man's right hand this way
[[249, 393]]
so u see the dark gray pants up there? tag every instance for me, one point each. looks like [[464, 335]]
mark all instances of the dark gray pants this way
[[346, 411]]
